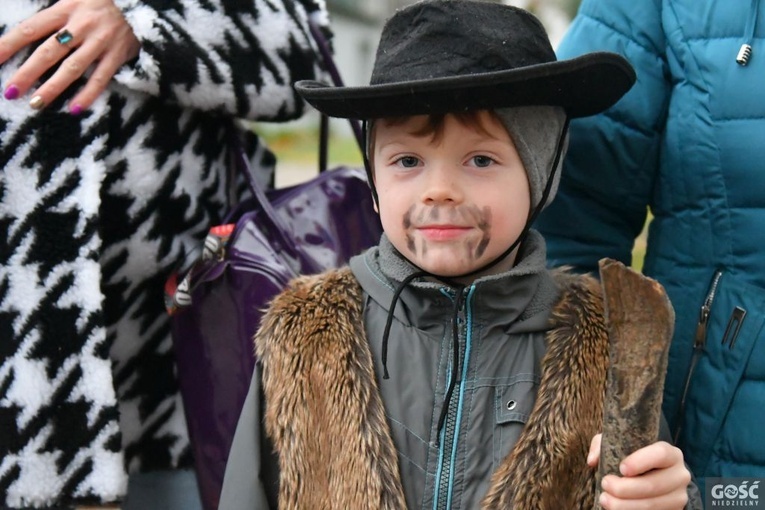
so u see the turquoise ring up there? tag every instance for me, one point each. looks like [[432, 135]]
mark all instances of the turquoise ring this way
[[64, 37]]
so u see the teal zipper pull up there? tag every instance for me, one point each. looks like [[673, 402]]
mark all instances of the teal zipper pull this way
[[700, 338], [701, 328], [699, 343]]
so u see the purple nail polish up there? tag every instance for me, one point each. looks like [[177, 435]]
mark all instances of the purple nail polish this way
[[75, 109], [11, 92]]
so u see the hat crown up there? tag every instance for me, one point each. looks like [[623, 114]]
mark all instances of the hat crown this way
[[439, 39]]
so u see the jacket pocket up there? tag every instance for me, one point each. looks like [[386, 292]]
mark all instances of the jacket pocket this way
[[727, 387], [512, 406]]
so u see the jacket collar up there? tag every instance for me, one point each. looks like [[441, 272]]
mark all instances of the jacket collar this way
[[517, 301]]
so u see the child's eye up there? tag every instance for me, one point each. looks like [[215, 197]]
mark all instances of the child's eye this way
[[408, 162], [482, 161]]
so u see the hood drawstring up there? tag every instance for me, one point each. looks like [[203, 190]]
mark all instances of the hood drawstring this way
[[454, 379], [367, 163], [745, 52], [460, 289], [389, 319]]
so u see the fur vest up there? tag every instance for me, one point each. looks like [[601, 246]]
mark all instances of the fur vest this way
[[327, 421]]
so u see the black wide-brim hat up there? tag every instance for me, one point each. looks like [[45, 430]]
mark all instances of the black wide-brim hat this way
[[444, 56]]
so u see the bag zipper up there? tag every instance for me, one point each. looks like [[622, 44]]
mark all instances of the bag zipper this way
[[699, 344]]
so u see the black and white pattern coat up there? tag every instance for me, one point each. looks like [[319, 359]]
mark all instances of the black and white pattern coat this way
[[96, 210]]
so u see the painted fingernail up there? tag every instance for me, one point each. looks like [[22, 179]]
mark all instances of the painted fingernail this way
[[37, 103], [11, 92], [75, 109]]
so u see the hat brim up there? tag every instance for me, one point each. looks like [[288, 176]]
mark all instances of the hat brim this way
[[583, 86]]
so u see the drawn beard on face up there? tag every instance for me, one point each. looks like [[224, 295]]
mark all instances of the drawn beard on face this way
[[462, 215]]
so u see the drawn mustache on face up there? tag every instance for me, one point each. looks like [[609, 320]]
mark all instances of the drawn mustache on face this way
[[467, 215]]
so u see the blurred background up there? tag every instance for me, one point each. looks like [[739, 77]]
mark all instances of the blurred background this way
[[356, 25]]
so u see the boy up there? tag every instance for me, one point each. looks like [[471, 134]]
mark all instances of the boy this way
[[446, 368]]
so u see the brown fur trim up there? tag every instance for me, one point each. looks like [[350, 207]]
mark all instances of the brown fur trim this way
[[547, 468], [323, 408]]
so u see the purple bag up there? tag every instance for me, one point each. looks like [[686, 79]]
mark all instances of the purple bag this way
[[275, 236]]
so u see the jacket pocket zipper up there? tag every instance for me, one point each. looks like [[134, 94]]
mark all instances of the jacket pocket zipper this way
[[699, 343]]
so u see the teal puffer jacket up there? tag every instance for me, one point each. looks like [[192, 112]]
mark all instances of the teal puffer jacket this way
[[688, 142]]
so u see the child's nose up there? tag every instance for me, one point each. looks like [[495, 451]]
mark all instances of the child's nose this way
[[442, 185]]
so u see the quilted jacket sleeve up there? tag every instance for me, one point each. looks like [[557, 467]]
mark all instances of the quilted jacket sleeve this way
[[612, 160], [230, 56]]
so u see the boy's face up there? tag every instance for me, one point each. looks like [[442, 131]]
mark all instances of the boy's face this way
[[450, 203]]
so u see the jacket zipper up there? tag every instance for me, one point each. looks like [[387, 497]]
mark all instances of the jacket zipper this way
[[699, 344], [450, 435]]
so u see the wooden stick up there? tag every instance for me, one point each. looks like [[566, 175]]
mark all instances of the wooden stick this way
[[640, 321]]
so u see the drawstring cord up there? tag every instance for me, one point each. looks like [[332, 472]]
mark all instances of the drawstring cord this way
[[389, 320], [745, 52], [459, 298], [367, 164], [454, 379]]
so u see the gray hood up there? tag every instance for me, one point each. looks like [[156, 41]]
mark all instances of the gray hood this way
[[516, 301]]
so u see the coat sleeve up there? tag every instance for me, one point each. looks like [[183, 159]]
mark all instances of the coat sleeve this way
[[612, 160], [248, 482], [235, 57]]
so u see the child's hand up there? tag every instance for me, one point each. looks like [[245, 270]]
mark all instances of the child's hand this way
[[654, 477]]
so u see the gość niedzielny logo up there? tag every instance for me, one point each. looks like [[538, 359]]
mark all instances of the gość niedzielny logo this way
[[732, 495]]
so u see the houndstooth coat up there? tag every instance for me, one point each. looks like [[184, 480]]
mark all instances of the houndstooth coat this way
[[96, 210]]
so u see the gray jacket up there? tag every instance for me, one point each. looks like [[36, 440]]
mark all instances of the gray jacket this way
[[502, 325]]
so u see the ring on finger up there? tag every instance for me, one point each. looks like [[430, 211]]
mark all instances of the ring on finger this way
[[64, 37]]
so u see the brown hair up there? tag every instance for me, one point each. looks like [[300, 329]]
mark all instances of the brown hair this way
[[433, 127]]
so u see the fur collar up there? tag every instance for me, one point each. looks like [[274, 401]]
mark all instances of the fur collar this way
[[326, 419]]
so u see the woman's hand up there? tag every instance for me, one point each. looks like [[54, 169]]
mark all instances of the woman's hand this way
[[654, 477], [77, 33]]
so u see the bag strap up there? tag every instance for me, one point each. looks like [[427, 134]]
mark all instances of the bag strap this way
[[329, 64]]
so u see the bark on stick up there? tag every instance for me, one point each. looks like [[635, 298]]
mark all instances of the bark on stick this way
[[640, 321]]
